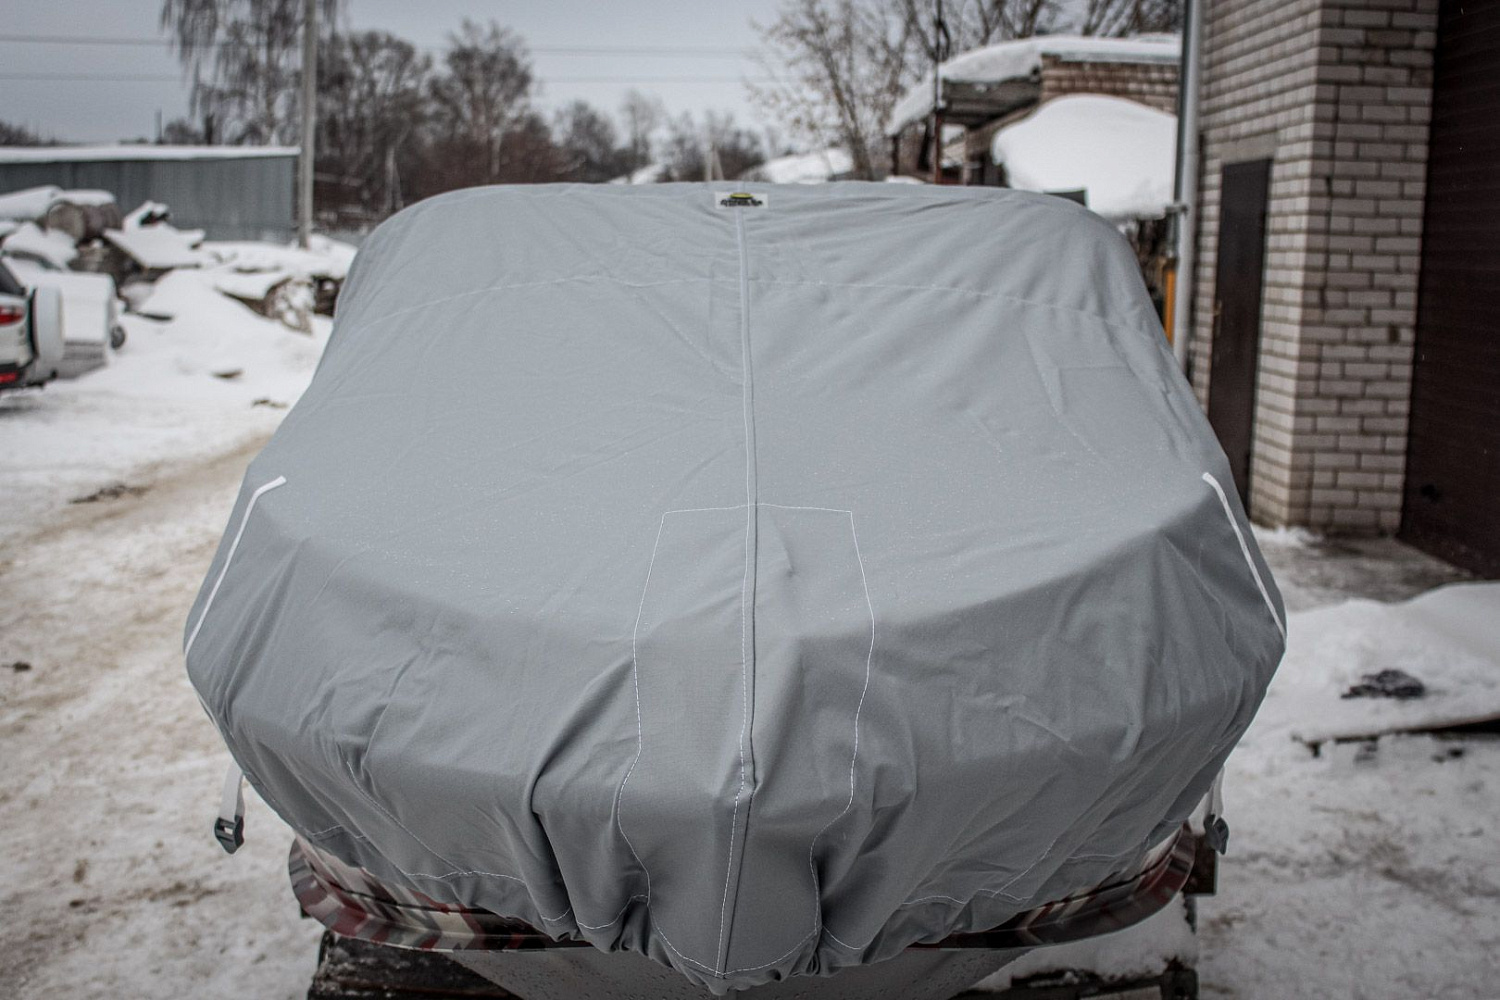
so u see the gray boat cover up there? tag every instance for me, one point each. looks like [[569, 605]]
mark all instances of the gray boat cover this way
[[759, 584]]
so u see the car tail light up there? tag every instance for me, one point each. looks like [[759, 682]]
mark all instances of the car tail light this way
[[11, 314], [8, 377]]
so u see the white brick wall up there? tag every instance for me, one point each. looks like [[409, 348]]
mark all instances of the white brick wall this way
[[1337, 93]]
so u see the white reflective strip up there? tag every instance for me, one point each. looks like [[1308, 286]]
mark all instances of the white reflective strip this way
[[1216, 795], [1245, 551], [229, 557], [232, 799]]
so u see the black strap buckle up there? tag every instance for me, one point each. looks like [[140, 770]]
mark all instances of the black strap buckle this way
[[230, 833], [1216, 833]]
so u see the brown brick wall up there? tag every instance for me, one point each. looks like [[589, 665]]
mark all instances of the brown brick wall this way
[[1337, 93], [1152, 84]]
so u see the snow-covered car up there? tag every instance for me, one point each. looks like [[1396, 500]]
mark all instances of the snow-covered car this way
[[31, 333], [91, 310]]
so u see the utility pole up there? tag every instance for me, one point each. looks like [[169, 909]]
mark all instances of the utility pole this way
[[309, 121], [942, 48]]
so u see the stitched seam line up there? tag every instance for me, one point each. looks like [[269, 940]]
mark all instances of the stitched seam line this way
[[229, 557], [1245, 551], [640, 738], [747, 584]]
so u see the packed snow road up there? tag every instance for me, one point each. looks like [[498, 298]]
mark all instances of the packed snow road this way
[[112, 884]]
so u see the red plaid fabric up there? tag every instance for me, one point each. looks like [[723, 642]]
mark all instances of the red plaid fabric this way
[[351, 902]]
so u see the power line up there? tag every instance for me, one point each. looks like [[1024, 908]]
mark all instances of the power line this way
[[580, 50], [165, 78]]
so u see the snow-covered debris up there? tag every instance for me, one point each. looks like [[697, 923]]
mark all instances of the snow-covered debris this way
[[285, 283], [148, 213], [651, 173], [1022, 59], [804, 168], [86, 196], [30, 204], [324, 257], [30, 240], [160, 247], [1447, 639], [1120, 153]]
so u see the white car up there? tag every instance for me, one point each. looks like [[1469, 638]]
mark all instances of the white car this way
[[31, 333], [91, 310]]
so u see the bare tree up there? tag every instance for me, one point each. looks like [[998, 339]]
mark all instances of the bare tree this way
[[20, 135], [371, 107], [738, 149], [690, 145], [484, 90], [643, 116], [972, 23], [1129, 17], [839, 67], [586, 144], [242, 58]]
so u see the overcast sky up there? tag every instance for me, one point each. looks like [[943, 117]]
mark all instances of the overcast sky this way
[[114, 91]]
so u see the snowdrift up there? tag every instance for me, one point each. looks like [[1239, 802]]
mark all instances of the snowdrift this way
[[761, 585]]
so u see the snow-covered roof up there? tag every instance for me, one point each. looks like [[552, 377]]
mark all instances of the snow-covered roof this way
[[804, 168], [75, 154], [1120, 153], [1022, 59]]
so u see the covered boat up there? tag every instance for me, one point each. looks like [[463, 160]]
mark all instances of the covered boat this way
[[760, 581]]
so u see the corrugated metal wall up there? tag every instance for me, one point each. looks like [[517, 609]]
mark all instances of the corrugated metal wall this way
[[249, 198]]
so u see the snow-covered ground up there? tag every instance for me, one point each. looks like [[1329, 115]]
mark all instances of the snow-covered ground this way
[[180, 391], [1368, 871]]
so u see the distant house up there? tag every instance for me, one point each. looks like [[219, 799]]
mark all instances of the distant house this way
[[986, 89], [1344, 335], [230, 192]]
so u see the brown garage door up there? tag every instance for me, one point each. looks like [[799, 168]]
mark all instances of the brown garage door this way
[[1452, 502]]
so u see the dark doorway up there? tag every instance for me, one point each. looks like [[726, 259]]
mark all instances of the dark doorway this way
[[1452, 501], [1243, 188]]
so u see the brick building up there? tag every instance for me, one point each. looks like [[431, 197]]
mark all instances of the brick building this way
[[1347, 239], [987, 89]]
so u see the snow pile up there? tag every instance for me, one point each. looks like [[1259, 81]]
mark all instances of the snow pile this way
[[1446, 638], [86, 196], [804, 168], [208, 376], [30, 240], [324, 258], [651, 173], [1022, 59], [160, 246], [30, 204], [1120, 153]]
